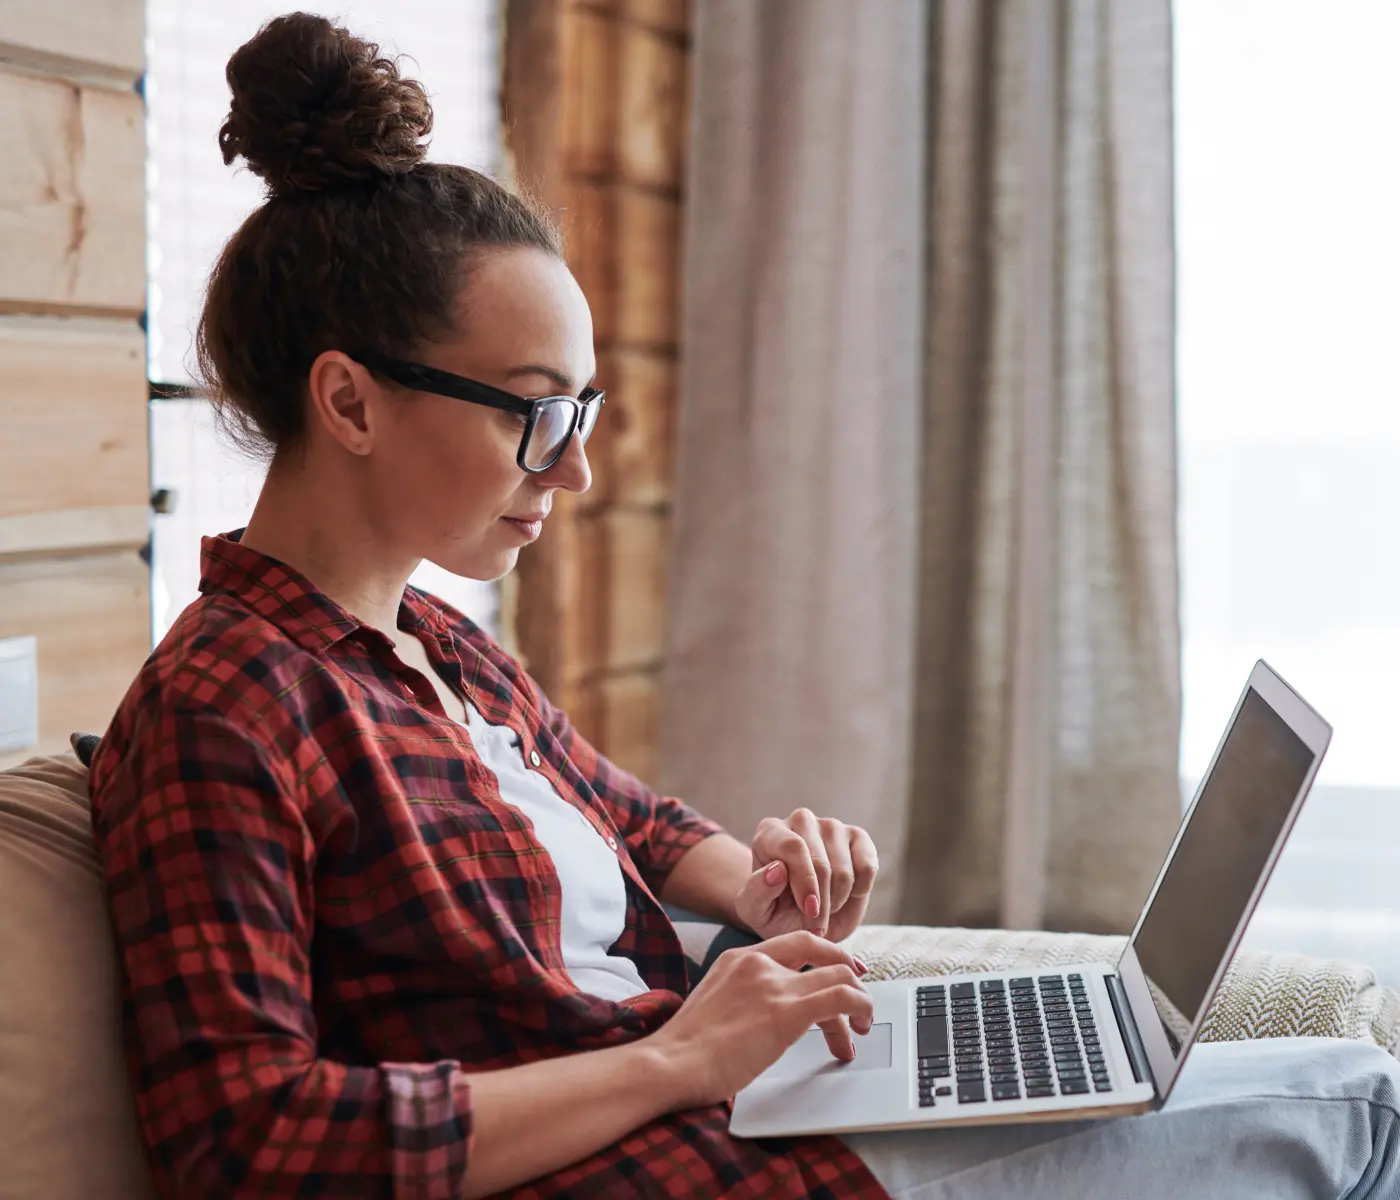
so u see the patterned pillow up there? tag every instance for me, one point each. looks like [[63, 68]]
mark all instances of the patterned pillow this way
[[84, 746], [704, 940]]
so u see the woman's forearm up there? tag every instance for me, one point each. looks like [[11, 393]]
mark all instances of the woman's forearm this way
[[531, 1120], [708, 878]]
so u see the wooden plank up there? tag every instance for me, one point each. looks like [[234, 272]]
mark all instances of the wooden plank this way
[[75, 421], [72, 197], [589, 111], [92, 618], [626, 710], [652, 108], [669, 16], [631, 449], [548, 620], [86, 36], [590, 232], [621, 592], [532, 90], [646, 273], [74, 529]]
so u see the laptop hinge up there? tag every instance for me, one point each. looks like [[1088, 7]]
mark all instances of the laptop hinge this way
[[1127, 1027]]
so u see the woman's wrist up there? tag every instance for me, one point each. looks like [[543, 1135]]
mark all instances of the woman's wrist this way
[[669, 1074], [708, 877]]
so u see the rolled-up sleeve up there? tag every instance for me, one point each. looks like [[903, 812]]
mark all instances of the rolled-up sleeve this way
[[209, 855]]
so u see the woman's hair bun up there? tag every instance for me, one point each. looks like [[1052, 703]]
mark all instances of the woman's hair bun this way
[[315, 107]]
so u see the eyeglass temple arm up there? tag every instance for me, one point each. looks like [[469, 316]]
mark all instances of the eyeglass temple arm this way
[[430, 379]]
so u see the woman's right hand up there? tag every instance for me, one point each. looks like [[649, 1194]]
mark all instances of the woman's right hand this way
[[752, 1005]]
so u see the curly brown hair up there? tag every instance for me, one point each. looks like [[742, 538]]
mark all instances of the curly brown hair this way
[[360, 243]]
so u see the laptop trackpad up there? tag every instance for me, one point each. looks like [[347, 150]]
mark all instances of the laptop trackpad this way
[[809, 1055]]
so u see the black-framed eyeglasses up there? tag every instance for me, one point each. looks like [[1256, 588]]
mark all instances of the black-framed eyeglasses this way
[[550, 420]]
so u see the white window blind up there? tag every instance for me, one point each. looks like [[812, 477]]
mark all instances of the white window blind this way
[[1289, 256], [195, 202]]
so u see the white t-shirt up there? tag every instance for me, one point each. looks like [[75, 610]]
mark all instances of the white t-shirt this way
[[593, 896]]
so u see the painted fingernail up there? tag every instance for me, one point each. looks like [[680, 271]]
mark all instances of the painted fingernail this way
[[861, 968], [813, 907], [773, 872]]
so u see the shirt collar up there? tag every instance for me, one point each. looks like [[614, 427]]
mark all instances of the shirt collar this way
[[288, 599]]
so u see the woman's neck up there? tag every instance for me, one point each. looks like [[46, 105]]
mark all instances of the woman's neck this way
[[336, 547]]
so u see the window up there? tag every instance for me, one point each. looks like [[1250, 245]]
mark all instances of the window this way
[[1289, 256], [194, 202]]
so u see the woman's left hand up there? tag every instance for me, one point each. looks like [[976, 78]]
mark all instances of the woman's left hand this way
[[809, 872]]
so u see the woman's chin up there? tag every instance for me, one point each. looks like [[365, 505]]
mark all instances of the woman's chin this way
[[484, 565]]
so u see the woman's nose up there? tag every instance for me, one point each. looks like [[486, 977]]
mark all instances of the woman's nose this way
[[571, 472]]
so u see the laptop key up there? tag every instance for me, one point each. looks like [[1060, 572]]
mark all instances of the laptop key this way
[[945, 1091], [972, 1093], [932, 1037], [1037, 1091], [1074, 1087]]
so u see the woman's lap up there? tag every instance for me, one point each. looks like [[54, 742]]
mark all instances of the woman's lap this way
[[1282, 1118]]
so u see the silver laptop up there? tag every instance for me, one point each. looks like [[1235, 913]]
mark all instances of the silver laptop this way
[[1093, 1040]]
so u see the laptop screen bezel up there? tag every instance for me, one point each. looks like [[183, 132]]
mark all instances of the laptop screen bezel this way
[[1316, 734]]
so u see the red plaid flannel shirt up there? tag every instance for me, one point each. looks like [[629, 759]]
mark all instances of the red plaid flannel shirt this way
[[328, 919]]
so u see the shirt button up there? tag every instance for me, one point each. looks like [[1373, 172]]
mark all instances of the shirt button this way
[[612, 842], [534, 758]]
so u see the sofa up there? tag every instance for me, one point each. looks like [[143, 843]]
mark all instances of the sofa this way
[[67, 1122]]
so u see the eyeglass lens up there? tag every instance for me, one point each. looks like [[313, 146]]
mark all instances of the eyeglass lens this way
[[554, 421]]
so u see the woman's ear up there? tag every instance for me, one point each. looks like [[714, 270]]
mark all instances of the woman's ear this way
[[345, 400]]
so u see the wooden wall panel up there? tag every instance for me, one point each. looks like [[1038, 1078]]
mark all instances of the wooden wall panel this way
[[589, 220], [670, 16], [589, 114], [631, 449], [72, 197], [647, 271], [596, 97], [74, 475], [73, 470], [624, 712], [75, 35], [92, 618], [651, 108], [623, 597]]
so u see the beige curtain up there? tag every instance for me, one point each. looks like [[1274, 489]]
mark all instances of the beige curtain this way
[[788, 666], [1045, 763], [924, 573]]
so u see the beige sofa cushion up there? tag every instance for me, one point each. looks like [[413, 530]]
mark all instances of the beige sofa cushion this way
[[67, 1122]]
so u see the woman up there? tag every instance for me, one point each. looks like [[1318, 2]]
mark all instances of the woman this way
[[388, 925]]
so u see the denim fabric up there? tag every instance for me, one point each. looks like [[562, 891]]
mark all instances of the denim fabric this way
[[1275, 1119]]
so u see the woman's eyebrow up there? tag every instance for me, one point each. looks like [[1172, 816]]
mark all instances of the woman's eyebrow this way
[[558, 378]]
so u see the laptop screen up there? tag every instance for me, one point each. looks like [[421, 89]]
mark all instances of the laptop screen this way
[[1242, 809]]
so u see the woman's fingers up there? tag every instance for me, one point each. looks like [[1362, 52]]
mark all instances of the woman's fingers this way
[[834, 1005], [865, 861], [836, 837], [814, 898], [838, 1038], [805, 949], [780, 840], [835, 1002]]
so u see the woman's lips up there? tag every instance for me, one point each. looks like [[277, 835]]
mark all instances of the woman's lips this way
[[528, 527]]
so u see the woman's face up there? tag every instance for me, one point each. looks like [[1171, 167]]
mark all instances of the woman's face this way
[[444, 471]]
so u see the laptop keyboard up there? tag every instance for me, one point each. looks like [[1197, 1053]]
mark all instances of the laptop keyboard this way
[[1027, 1038]]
